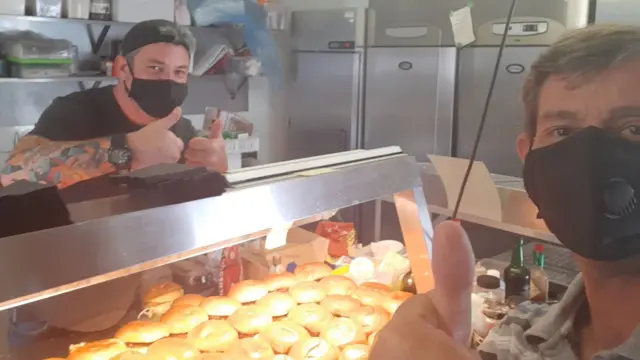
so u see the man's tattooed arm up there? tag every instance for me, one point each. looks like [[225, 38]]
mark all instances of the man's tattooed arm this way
[[57, 163]]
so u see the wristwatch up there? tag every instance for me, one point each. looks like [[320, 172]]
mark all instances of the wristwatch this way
[[119, 153]]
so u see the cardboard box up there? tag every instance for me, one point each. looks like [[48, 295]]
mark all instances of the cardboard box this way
[[302, 247]]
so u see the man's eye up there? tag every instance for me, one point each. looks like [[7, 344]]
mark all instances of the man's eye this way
[[635, 130], [155, 68], [631, 132], [561, 132]]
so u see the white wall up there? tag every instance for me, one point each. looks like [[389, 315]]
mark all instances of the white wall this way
[[618, 11]]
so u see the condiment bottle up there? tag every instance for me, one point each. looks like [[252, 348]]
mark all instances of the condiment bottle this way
[[276, 266], [100, 10], [488, 287], [408, 284], [539, 288], [493, 312], [516, 276]]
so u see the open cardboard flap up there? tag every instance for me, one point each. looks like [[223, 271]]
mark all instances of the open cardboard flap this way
[[481, 196]]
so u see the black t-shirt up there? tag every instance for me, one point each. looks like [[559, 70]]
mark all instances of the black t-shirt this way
[[91, 114]]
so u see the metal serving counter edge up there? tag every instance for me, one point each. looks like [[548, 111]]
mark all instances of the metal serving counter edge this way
[[108, 240]]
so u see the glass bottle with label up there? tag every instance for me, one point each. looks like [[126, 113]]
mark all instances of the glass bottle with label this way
[[516, 276], [539, 289], [276, 265], [100, 10], [407, 283]]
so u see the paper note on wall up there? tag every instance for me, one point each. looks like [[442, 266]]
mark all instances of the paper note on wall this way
[[462, 26], [480, 198]]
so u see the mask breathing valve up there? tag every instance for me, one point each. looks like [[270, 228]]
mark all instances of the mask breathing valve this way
[[619, 199]]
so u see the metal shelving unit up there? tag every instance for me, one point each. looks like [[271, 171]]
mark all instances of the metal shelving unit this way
[[56, 20], [306, 5], [58, 79], [97, 78], [95, 41]]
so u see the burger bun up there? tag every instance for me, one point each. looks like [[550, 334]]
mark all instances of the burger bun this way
[[103, 349], [314, 349], [220, 306], [172, 349], [312, 271], [143, 332], [248, 291], [338, 285]]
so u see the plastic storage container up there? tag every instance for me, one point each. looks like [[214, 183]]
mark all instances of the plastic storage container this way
[[39, 58], [140, 10], [12, 7], [77, 9], [44, 8]]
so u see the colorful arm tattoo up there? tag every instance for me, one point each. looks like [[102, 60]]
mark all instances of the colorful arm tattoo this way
[[57, 163]]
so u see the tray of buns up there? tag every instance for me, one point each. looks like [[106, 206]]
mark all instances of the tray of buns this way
[[309, 314]]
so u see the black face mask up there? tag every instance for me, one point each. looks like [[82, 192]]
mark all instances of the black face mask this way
[[586, 188], [158, 98]]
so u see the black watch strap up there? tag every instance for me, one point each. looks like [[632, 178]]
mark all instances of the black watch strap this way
[[119, 152], [119, 141]]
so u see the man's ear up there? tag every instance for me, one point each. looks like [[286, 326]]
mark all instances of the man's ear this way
[[120, 63], [523, 144]]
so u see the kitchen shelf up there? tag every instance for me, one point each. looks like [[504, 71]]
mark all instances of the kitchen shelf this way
[[42, 19], [306, 5], [58, 79], [97, 78]]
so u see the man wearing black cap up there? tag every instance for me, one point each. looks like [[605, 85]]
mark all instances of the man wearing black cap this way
[[132, 125]]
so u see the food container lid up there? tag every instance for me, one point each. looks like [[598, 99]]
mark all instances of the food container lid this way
[[488, 282]]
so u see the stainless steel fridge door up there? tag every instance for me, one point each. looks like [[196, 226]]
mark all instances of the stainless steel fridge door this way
[[505, 118], [323, 103], [314, 30], [432, 14], [409, 99]]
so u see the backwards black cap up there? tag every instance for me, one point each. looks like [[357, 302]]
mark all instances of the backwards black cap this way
[[157, 31]]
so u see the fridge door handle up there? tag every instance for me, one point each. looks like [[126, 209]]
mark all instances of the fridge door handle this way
[[345, 139]]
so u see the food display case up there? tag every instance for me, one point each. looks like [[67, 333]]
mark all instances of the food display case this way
[[113, 239]]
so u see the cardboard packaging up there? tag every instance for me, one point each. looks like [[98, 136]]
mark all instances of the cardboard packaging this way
[[302, 247]]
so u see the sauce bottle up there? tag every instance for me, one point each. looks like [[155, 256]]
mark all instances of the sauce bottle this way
[[407, 283], [516, 276], [539, 289]]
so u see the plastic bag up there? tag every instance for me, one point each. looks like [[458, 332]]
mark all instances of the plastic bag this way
[[341, 237], [253, 18]]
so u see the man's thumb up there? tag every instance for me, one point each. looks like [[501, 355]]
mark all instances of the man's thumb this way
[[215, 131], [170, 120], [453, 271]]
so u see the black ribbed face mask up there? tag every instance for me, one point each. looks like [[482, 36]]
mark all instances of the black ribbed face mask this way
[[158, 98], [586, 188]]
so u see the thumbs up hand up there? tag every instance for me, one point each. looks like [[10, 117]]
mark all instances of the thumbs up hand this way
[[208, 152], [155, 143], [435, 325]]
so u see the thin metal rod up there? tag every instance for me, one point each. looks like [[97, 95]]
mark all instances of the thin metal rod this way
[[485, 112], [96, 44]]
